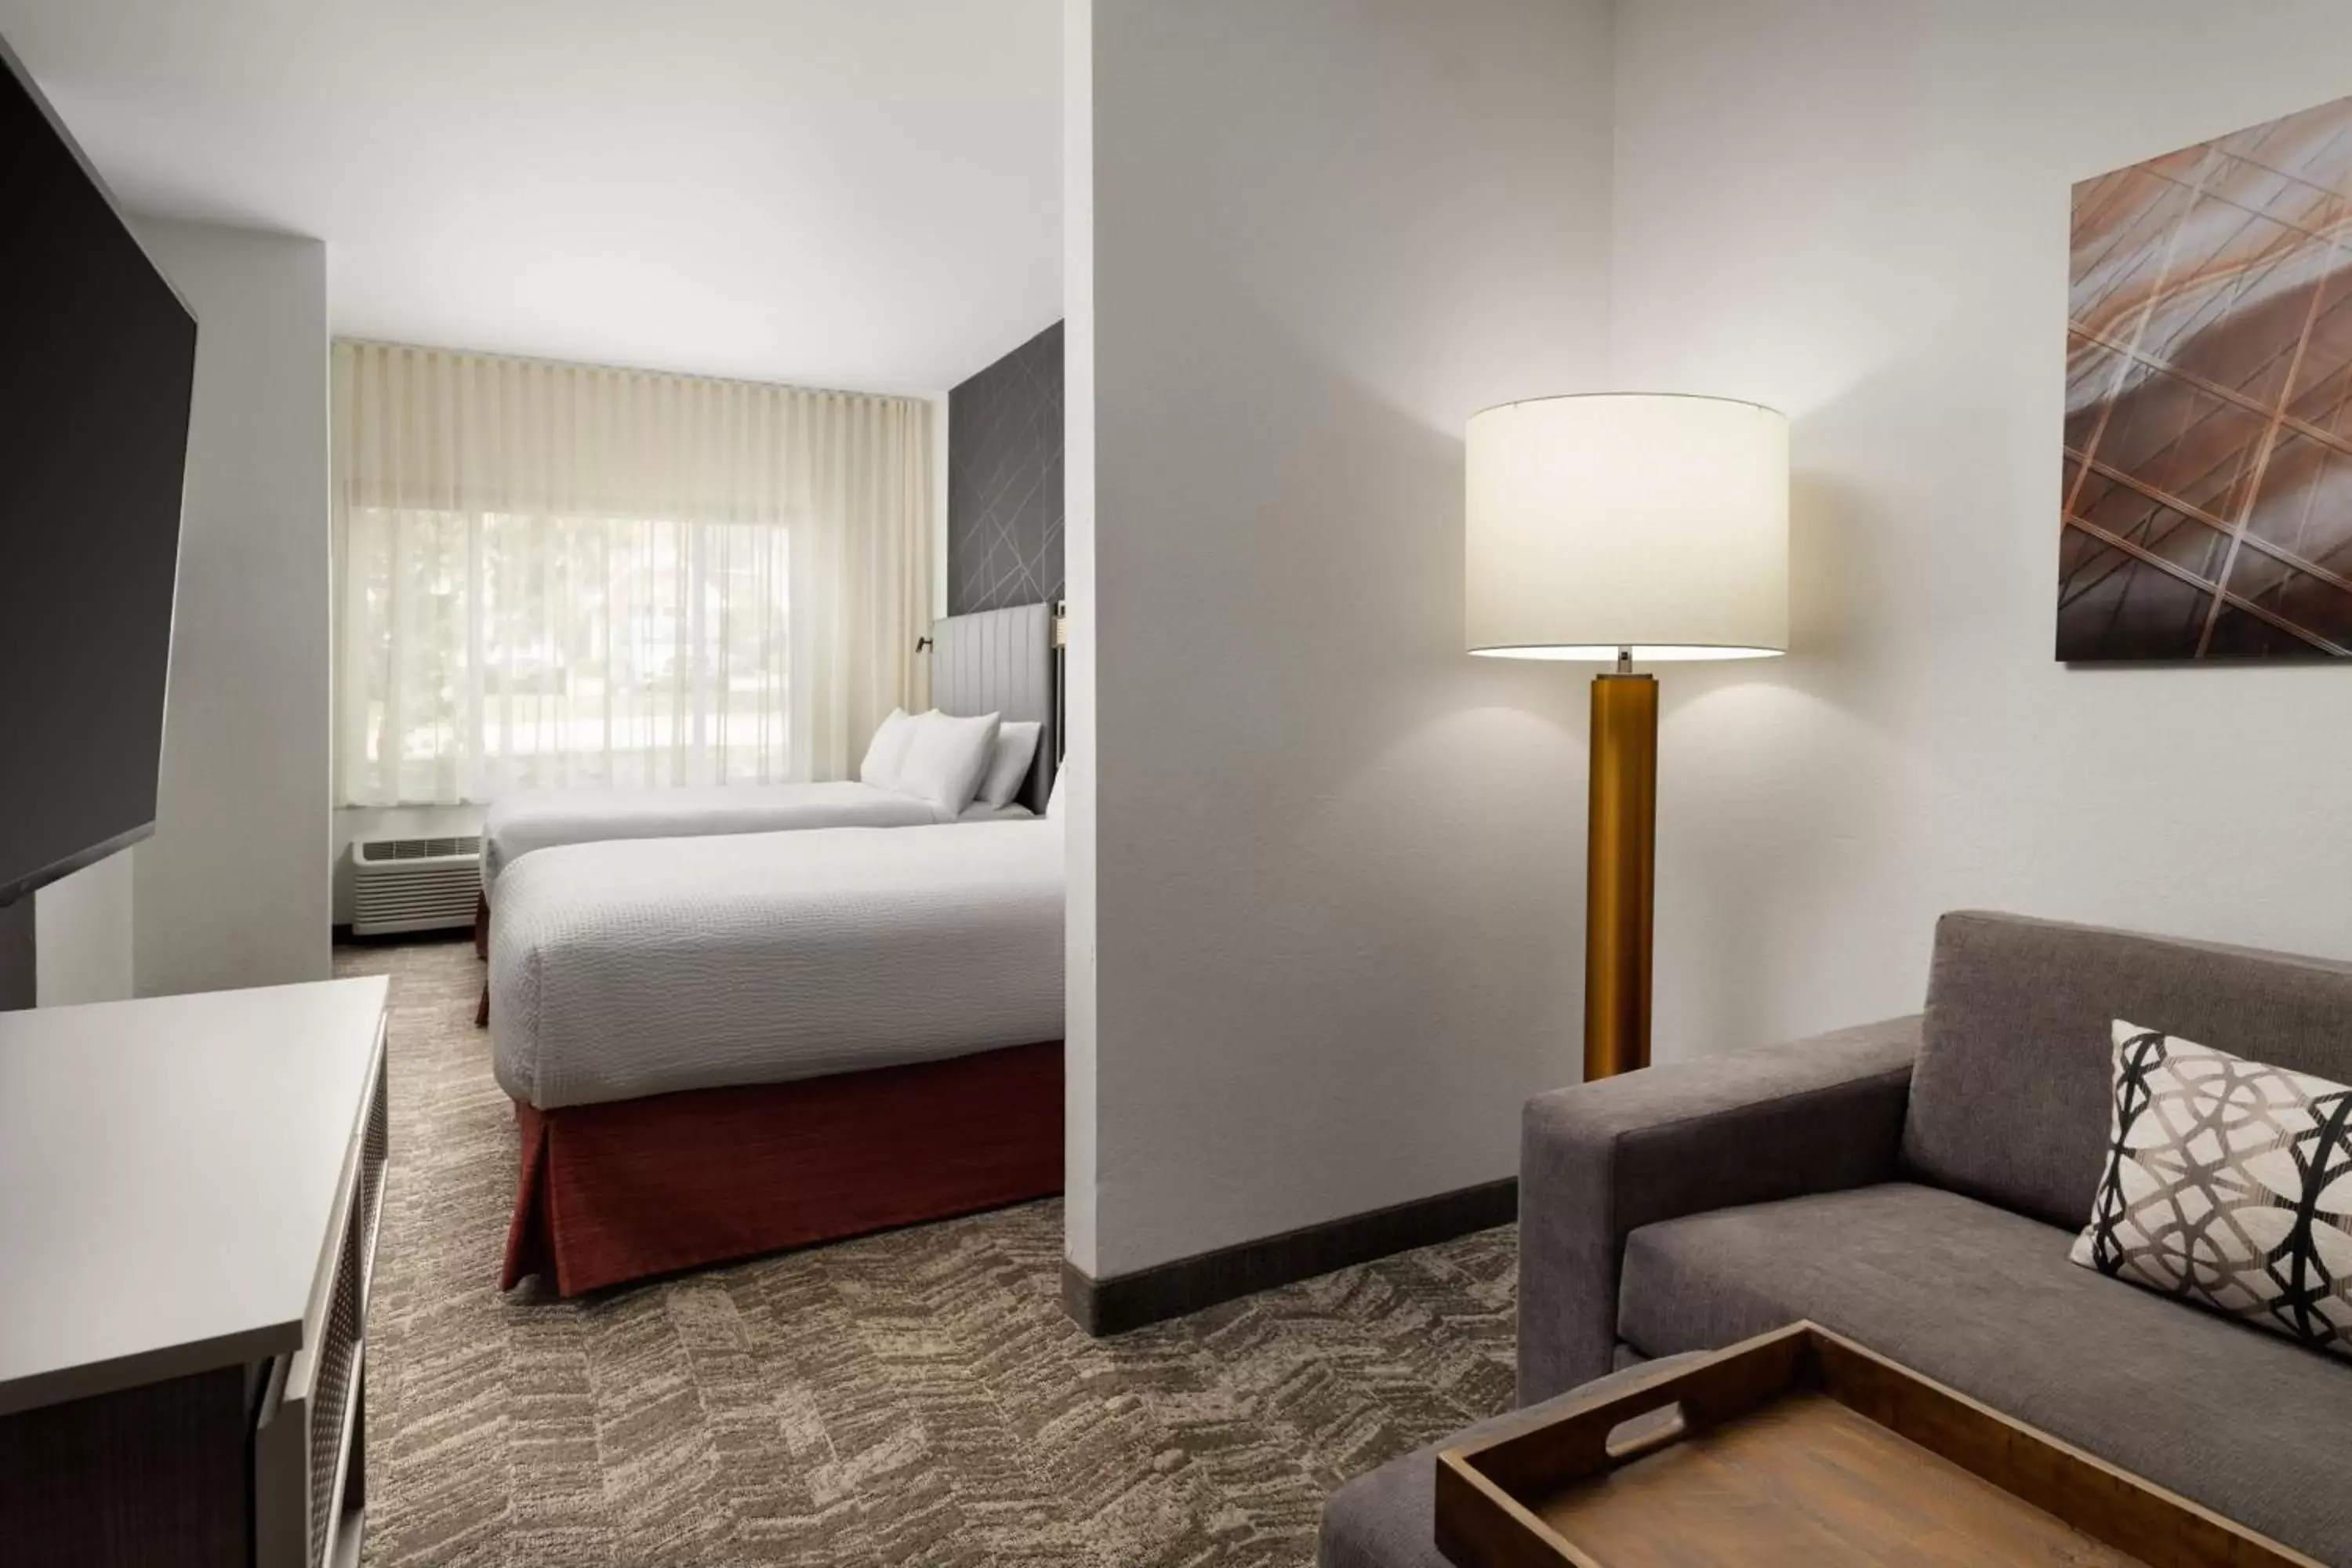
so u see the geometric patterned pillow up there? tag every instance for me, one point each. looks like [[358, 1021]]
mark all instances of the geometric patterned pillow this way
[[2229, 1185]]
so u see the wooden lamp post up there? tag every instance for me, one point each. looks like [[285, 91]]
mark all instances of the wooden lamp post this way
[[1619, 527]]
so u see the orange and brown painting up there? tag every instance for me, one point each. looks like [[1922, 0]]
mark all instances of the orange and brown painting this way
[[2208, 500]]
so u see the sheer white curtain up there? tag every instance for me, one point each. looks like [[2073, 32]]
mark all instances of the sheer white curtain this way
[[554, 575]]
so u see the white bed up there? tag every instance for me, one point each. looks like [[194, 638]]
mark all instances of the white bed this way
[[992, 661], [531, 820], [630, 968]]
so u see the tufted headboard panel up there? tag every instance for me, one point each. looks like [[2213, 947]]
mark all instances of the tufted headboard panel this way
[[1002, 662]]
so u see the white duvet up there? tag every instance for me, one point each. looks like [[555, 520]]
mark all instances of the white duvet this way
[[529, 820], [641, 968]]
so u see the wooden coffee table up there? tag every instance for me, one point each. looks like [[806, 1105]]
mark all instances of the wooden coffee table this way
[[1802, 1449]]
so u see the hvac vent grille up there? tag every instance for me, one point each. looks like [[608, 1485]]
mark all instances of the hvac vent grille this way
[[420, 848], [415, 884]]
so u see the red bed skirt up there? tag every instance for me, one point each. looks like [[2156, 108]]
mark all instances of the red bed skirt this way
[[637, 1187]]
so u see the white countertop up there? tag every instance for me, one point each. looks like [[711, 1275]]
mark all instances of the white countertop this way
[[167, 1172]]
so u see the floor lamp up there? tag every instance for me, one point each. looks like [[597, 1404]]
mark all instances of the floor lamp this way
[[1614, 528]]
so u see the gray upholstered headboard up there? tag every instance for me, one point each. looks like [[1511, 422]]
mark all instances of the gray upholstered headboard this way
[[1002, 661]]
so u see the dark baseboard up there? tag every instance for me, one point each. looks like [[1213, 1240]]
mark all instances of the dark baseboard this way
[[345, 938], [1168, 1290]]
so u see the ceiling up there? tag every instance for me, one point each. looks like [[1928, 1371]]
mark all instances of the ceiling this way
[[842, 193]]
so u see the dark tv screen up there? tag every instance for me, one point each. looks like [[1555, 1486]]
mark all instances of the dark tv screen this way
[[97, 369]]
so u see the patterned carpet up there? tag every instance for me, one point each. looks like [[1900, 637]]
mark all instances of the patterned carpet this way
[[916, 1398]]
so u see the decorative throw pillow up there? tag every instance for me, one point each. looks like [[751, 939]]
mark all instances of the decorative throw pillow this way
[[1016, 743], [886, 753], [948, 758], [2229, 1185]]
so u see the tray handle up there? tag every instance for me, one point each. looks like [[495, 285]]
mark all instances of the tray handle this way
[[1596, 1440], [1641, 1433]]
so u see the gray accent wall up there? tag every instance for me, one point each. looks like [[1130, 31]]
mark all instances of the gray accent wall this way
[[1004, 481]]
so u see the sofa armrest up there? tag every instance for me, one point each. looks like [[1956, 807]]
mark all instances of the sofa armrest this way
[[1600, 1160]]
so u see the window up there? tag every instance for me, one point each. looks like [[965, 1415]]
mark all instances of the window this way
[[562, 575], [528, 651]]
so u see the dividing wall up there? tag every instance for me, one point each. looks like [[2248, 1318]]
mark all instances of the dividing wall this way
[[1325, 913]]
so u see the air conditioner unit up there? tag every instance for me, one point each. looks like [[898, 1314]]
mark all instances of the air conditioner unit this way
[[414, 884]]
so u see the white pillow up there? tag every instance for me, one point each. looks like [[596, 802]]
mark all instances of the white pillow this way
[[948, 758], [886, 753], [1053, 796], [1016, 743]]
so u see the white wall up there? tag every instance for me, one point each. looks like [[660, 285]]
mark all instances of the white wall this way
[[1858, 210], [939, 402], [1332, 865], [1076, 780], [232, 888], [83, 935]]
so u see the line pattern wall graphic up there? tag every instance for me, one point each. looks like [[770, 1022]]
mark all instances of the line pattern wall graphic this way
[[2208, 481], [1004, 481]]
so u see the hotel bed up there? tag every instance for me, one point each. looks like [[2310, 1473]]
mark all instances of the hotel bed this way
[[529, 820], [719, 1046], [993, 661]]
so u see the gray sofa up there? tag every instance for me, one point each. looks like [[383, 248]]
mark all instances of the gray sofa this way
[[1916, 1184]]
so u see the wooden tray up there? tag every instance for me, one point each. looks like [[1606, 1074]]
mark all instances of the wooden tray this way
[[1800, 1448]]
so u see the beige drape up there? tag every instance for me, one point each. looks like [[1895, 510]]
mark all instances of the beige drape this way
[[552, 574]]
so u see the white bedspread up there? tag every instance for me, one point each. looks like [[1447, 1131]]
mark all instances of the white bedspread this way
[[640, 967], [527, 820]]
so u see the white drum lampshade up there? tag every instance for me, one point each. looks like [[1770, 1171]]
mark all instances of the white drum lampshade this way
[[1648, 521]]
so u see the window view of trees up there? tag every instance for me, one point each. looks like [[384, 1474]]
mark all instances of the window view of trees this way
[[538, 651]]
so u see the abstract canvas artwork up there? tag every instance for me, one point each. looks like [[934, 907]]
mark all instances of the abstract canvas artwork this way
[[2208, 496]]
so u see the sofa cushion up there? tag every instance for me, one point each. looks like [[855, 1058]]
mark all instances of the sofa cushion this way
[[1388, 1518], [2010, 1096], [2226, 1188], [1987, 1302]]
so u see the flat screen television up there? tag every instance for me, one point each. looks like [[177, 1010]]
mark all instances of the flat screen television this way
[[97, 357]]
